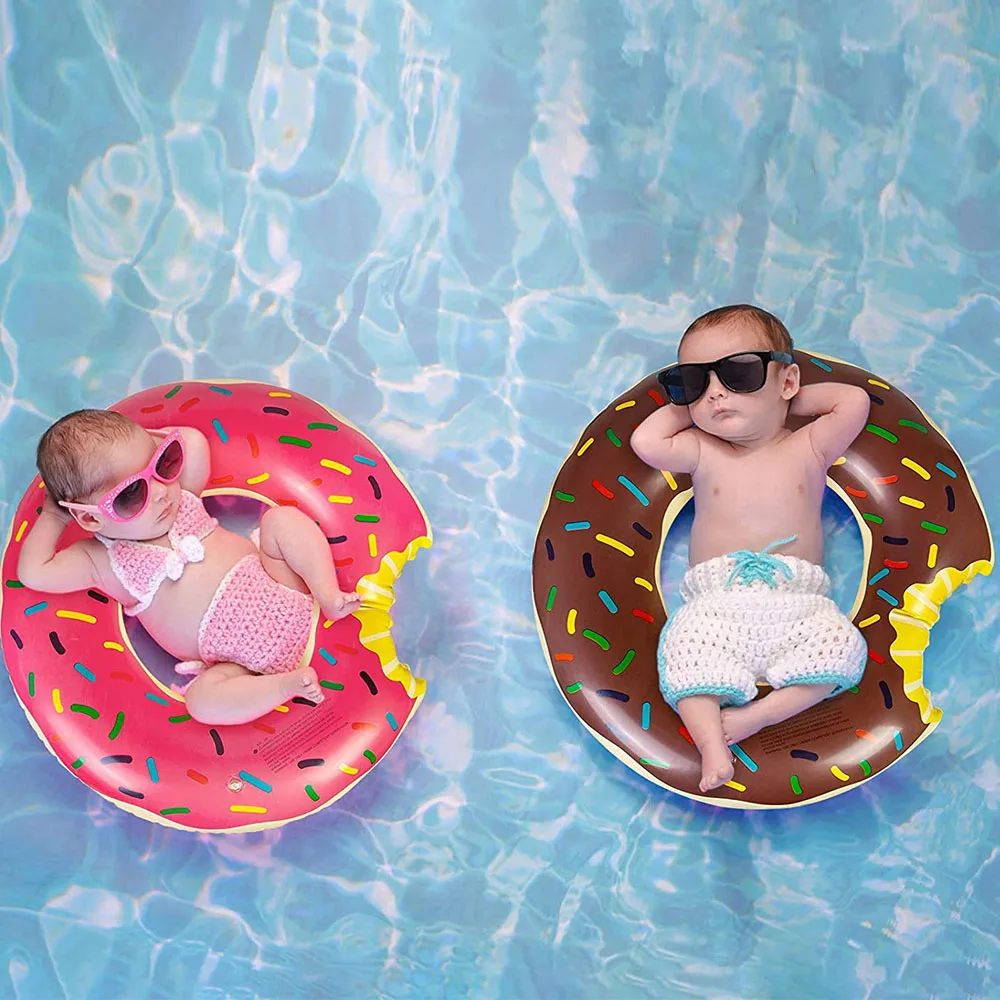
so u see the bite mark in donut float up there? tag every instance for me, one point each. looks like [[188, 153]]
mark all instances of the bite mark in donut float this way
[[599, 607], [126, 735]]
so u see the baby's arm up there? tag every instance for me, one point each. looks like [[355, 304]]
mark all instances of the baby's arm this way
[[40, 567], [668, 439], [841, 412], [197, 466]]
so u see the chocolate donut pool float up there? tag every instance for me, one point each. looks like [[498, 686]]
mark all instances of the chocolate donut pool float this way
[[599, 607]]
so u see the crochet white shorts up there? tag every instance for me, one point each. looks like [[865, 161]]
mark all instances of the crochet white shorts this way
[[752, 617]]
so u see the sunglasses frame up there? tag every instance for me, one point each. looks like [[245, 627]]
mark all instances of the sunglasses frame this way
[[707, 367], [105, 506]]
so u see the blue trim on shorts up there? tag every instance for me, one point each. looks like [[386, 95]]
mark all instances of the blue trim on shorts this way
[[732, 695]]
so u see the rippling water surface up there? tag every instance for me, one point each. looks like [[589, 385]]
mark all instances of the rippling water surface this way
[[467, 226]]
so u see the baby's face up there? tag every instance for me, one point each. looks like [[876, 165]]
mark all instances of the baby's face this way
[[736, 416], [122, 459]]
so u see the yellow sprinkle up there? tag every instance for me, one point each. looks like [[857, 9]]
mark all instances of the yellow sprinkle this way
[[41, 485], [20, 531], [116, 646], [78, 616], [671, 482], [910, 502], [339, 499], [645, 584], [280, 395], [625, 405], [586, 444], [282, 708], [932, 556], [918, 469], [327, 623], [57, 701], [347, 769], [258, 479], [736, 785], [372, 546], [248, 809], [869, 621], [840, 461], [881, 385], [571, 621], [615, 544], [329, 463], [836, 771]]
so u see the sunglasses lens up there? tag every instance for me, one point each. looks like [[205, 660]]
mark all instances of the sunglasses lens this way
[[744, 373], [168, 468], [131, 500], [684, 383]]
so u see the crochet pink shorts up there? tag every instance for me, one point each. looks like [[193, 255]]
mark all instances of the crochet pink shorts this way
[[254, 621]]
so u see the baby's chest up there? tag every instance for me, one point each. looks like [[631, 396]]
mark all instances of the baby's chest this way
[[756, 480]]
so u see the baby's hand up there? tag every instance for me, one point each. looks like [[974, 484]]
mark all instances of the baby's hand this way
[[49, 506]]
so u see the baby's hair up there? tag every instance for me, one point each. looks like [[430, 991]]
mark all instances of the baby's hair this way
[[770, 327], [65, 452]]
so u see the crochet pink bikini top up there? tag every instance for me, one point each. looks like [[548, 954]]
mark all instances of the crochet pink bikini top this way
[[141, 566]]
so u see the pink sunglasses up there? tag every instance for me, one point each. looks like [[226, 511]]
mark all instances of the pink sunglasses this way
[[127, 500]]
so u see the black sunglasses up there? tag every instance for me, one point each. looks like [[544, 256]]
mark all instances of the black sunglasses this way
[[743, 372]]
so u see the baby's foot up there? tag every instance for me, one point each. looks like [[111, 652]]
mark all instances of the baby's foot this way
[[741, 723], [341, 605], [302, 683], [716, 768]]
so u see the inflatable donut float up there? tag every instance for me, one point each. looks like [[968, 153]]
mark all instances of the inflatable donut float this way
[[599, 607], [106, 718]]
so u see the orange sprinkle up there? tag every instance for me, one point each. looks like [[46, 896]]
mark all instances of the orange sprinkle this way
[[187, 404], [120, 675], [860, 494], [288, 503], [863, 734], [362, 727], [564, 657], [317, 482], [218, 481], [254, 450], [197, 776], [886, 480], [151, 409]]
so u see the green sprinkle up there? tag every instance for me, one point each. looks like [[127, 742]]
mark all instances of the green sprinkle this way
[[179, 718], [796, 787], [31, 684], [854, 690], [85, 710], [332, 685], [596, 637], [370, 756], [312, 793], [882, 433], [573, 688], [866, 767], [614, 438], [567, 497], [77, 763], [173, 392], [298, 442], [874, 518], [551, 599], [14, 584], [317, 425], [913, 424], [174, 811], [117, 727], [653, 762], [625, 661], [938, 529], [367, 518]]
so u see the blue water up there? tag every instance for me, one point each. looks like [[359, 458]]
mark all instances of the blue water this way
[[467, 226]]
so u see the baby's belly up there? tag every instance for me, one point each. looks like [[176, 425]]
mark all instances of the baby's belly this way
[[174, 617], [719, 533]]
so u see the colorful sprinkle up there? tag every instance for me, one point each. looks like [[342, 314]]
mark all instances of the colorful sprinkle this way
[[634, 490], [318, 425], [179, 718], [863, 734], [596, 637], [886, 694], [87, 710], [373, 546], [736, 785], [336, 466], [656, 397], [14, 584], [614, 438], [255, 781], [838, 774], [336, 498], [881, 385], [796, 786], [607, 601], [750, 763], [615, 544], [874, 518], [78, 763], [887, 597], [866, 768], [84, 672], [950, 494], [77, 616], [254, 480], [918, 469], [551, 599], [644, 615], [588, 565], [898, 739], [35, 608], [156, 698], [671, 482], [217, 740], [932, 554], [645, 584], [221, 431], [297, 441], [881, 574], [257, 810], [624, 406], [174, 811], [173, 392], [903, 422], [116, 758], [332, 660], [895, 540], [196, 776], [367, 518], [220, 390], [362, 460], [885, 480], [803, 755], [20, 531], [571, 621], [911, 502], [31, 684], [18, 641], [312, 793], [948, 472], [117, 727], [870, 620], [56, 643], [577, 525], [391, 719], [613, 694], [641, 530], [549, 550], [882, 433], [57, 701], [889, 564], [116, 646], [602, 489], [859, 494], [584, 447], [370, 754], [821, 364], [331, 685], [938, 529], [573, 688], [188, 403], [130, 792], [645, 715], [622, 665], [154, 774], [653, 762], [311, 762], [565, 497]]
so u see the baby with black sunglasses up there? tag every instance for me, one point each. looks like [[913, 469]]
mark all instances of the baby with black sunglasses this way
[[243, 607], [756, 597]]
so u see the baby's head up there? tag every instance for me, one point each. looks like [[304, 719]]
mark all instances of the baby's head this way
[[87, 453], [721, 410]]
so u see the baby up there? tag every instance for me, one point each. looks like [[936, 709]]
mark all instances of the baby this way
[[756, 595], [207, 595]]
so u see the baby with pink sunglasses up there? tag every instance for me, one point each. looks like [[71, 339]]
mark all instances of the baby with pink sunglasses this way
[[209, 596]]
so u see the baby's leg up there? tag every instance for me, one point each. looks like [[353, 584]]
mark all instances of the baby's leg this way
[[700, 714], [741, 723], [295, 552], [229, 695]]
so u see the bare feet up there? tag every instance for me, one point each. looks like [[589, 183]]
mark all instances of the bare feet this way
[[302, 683], [716, 768], [341, 604], [741, 723]]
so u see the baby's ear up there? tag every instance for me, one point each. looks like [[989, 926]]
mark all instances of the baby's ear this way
[[86, 520], [791, 379]]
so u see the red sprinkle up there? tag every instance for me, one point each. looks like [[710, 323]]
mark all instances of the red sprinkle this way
[[644, 615], [288, 503], [657, 398], [362, 727], [118, 675], [683, 731], [896, 565], [187, 404], [197, 776], [317, 482], [220, 480], [342, 562], [151, 409], [860, 494], [263, 727], [886, 480], [875, 656], [864, 735], [254, 450], [340, 647], [602, 489]]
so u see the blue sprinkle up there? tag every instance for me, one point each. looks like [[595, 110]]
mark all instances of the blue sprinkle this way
[[878, 576], [826, 368], [223, 436], [634, 490], [40, 606], [156, 698], [888, 598], [751, 766], [608, 602], [81, 669], [391, 719], [899, 740], [577, 525], [256, 782], [326, 656], [225, 392], [154, 775], [948, 472], [645, 715], [361, 460]]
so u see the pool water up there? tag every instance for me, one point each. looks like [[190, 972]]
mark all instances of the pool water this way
[[467, 226]]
